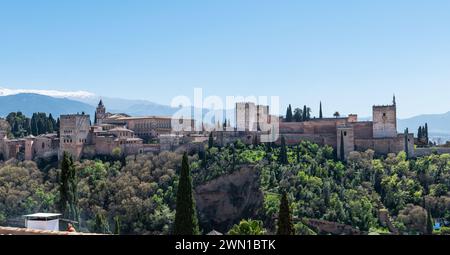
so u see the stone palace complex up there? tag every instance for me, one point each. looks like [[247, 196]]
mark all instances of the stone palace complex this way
[[120, 134]]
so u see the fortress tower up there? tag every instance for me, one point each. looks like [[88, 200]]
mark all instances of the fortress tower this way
[[385, 121], [74, 131], [246, 116], [100, 113]]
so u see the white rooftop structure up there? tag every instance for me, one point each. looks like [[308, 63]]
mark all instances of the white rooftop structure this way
[[42, 221]]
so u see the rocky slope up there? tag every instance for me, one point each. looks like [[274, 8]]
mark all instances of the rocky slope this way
[[226, 200]]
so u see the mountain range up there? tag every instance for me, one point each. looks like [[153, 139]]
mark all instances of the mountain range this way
[[60, 103]]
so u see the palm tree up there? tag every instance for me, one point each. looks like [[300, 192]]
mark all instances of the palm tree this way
[[336, 114]]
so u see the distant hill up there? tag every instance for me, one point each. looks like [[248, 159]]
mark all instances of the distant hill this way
[[129, 106], [30, 103], [438, 124]]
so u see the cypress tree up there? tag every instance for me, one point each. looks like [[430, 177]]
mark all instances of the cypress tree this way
[[342, 151], [406, 143], [426, 133], [283, 158], [117, 225], [419, 133], [429, 223], [68, 204], [320, 111], [186, 222], [305, 114], [285, 225], [101, 224], [210, 140], [289, 114]]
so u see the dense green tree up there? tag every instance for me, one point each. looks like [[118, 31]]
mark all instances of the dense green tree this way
[[298, 115], [248, 227], [186, 222], [68, 204], [285, 225], [283, 157]]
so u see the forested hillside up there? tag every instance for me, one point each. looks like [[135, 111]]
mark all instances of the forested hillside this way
[[137, 195]]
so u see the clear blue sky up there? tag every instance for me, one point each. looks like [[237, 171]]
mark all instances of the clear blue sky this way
[[349, 54]]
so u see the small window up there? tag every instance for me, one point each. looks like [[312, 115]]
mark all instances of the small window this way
[[345, 133], [384, 114]]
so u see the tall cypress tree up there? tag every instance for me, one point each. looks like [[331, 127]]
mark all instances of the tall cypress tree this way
[[283, 158], [186, 222], [68, 203], [342, 150], [305, 114], [406, 143], [210, 140], [117, 225], [419, 133], [429, 223], [289, 114], [426, 133], [320, 111], [285, 225]]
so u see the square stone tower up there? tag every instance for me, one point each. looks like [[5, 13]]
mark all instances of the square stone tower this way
[[385, 121], [74, 131], [246, 116]]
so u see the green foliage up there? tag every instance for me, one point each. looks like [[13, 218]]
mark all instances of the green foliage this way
[[101, 224], [285, 225], [68, 194], [186, 222], [283, 158], [248, 227], [117, 225]]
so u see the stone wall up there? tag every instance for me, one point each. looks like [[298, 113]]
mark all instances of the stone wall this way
[[420, 152]]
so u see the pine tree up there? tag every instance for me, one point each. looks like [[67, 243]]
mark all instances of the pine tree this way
[[186, 222], [210, 141], [285, 225], [283, 158], [342, 151], [320, 111]]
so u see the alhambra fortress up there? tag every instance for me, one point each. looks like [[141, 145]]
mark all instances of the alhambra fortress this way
[[120, 134]]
